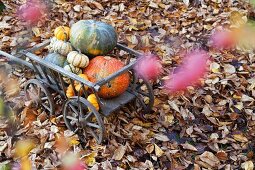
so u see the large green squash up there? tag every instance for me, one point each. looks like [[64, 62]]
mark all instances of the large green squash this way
[[93, 38], [55, 58]]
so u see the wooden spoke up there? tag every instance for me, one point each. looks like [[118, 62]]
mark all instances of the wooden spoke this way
[[143, 93], [82, 127], [39, 94], [141, 102], [139, 85], [44, 98], [88, 115], [73, 109], [94, 134], [45, 106], [93, 125], [72, 118]]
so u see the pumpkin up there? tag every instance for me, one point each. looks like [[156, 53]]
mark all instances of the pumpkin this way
[[62, 47], [62, 33], [55, 58], [77, 59], [93, 37], [78, 86], [69, 91], [93, 100], [65, 63], [73, 69], [100, 67]]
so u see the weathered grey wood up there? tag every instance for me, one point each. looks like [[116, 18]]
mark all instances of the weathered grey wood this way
[[110, 105], [16, 59], [58, 69], [129, 50]]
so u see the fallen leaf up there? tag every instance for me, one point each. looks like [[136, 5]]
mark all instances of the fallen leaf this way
[[158, 151], [90, 159], [240, 138], [3, 147], [248, 165], [4, 25], [119, 153], [36, 31], [210, 159], [161, 137], [23, 147], [228, 68], [150, 148], [189, 147], [222, 155], [98, 5]]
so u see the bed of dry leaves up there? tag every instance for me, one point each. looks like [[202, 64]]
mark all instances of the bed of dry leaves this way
[[212, 127]]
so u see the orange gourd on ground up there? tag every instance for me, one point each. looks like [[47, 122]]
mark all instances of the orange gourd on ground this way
[[102, 66], [93, 100]]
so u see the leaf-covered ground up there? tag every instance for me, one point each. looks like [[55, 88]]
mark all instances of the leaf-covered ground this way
[[210, 127]]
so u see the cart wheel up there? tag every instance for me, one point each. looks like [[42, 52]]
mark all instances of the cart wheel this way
[[82, 118], [144, 96], [40, 96]]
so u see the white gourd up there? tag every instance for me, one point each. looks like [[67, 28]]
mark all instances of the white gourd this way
[[78, 59], [50, 46], [62, 47]]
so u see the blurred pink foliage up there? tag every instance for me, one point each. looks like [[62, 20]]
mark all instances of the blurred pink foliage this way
[[193, 68], [77, 166], [32, 11], [223, 39], [148, 67]]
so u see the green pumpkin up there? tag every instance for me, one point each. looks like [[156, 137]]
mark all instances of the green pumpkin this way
[[56, 59], [93, 38], [65, 63]]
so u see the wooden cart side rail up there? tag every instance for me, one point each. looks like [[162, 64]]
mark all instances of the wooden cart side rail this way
[[60, 70], [129, 50], [116, 74], [124, 69]]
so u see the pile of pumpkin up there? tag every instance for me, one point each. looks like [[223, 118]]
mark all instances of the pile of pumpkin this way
[[81, 49]]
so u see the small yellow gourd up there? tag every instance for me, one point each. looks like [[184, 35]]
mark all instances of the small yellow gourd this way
[[62, 33], [93, 100], [69, 91], [78, 59], [78, 86]]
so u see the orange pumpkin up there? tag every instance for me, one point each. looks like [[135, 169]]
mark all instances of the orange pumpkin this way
[[102, 66]]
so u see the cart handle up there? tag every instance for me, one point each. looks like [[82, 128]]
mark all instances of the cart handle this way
[[16, 59]]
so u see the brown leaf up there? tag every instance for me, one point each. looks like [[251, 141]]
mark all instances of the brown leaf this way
[[98, 5], [150, 148], [222, 155], [248, 165], [189, 147], [210, 159], [119, 153], [158, 151], [161, 137], [240, 138]]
